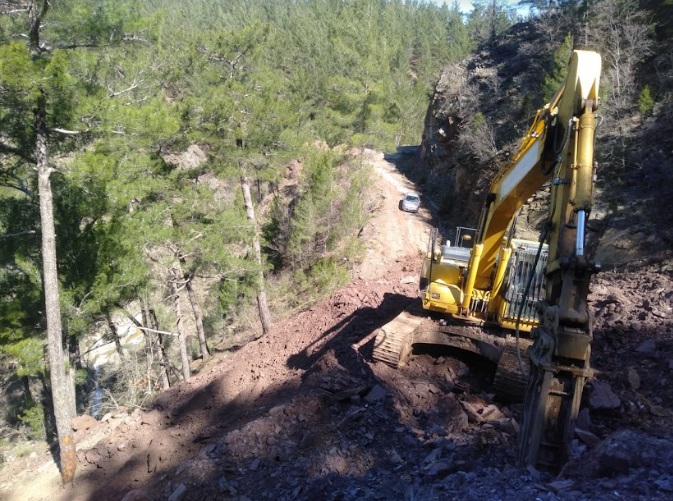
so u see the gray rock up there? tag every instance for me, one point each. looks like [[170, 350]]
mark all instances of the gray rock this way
[[448, 414], [633, 378], [439, 469], [602, 396], [135, 495], [535, 474], [178, 493], [615, 456], [626, 449], [208, 451], [664, 483], [508, 425], [584, 420], [434, 456], [561, 485], [278, 410], [587, 437], [377, 394], [647, 346], [226, 487]]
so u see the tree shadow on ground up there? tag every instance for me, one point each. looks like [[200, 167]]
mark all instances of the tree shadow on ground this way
[[204, 418], [302, 441]]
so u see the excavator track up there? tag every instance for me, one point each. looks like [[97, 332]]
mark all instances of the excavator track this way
[[511, 375], [392, 348], [392, 344], [394, 341]]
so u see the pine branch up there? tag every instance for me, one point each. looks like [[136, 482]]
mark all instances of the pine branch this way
[[18, 184], [120, 92], [11, 150], [20, 234], [66, 131]]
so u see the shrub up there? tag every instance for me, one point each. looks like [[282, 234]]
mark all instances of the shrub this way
[[645, 102], [33, 418]]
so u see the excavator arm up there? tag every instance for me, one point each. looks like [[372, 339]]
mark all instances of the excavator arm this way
[[559, 147], [559, 357], [543, 148]]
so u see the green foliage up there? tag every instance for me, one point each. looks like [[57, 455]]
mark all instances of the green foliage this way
[[488, 20], [386, 56], [555, 75], [315, 213], [328, 274], [29, 353], [33, 419], [645, 102], [325, 276], [317, 236], [20, 310], [93, 24], [130, 88], [478, 122]]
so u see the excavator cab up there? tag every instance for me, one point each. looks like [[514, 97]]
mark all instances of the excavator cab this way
[[443, 269]]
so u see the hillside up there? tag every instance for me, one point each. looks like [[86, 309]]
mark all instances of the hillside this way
[[483, 105], [303, 413]]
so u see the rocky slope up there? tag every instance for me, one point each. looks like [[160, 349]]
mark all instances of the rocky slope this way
[[483, 105]]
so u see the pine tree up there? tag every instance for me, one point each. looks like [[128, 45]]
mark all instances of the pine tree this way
[[38, 107], [554, 76]]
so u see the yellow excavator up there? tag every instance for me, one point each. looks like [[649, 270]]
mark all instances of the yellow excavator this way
[[502, 295]]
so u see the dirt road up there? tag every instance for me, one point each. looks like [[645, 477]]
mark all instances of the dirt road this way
[[392, 234]]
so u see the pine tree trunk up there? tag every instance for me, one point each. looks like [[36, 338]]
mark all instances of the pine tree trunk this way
[[73, 359], [163, 358], [262, 304], [163, 373], [115, 335], [57, 362], [178, 325], [149, 346], [198, 317], [26, 389]]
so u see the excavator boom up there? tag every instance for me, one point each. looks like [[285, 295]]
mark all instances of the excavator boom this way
[[559, 357], [542, 149]]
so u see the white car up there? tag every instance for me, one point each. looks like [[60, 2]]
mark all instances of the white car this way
[[410, 203]]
